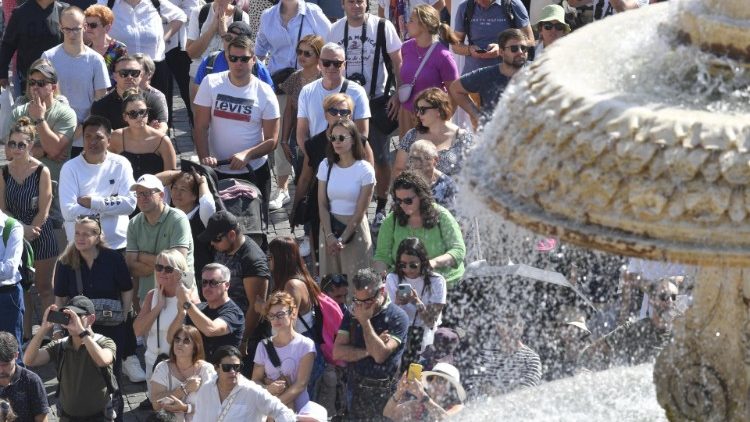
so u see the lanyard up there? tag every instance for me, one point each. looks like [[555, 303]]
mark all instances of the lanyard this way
[[362, 39]]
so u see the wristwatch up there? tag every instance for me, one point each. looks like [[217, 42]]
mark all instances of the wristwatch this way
[[187, 305], [37, 121], [84, 333]]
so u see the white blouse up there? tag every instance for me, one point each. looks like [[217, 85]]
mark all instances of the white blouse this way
[[247, 402]]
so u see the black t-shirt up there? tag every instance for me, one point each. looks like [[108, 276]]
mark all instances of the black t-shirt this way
[[26, 395], [248, 261], [107, 278], [110, 106], [489, 83], [232, 315]]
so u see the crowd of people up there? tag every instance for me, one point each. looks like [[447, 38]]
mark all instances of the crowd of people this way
[[123, 247]]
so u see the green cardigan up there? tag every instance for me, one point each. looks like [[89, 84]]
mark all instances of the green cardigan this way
[[444, 238]]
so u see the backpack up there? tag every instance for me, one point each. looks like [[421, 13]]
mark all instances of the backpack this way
[[203, 15], [327, 318], [26, 268]]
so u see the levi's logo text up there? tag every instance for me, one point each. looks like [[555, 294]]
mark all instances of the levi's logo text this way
[[233, 108]]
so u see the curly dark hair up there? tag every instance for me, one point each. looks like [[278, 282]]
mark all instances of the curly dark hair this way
[[412, 246], [411, 180]]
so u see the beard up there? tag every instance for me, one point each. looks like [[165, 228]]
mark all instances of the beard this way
[[517, 62]]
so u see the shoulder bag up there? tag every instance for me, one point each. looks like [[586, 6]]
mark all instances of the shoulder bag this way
[[109, 312], [279, 76], [404, 91], [379, 106]]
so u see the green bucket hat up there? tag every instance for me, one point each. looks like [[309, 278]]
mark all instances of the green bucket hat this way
[[554, 12]]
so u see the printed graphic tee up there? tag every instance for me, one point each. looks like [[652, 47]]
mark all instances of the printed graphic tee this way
[[237, 114]]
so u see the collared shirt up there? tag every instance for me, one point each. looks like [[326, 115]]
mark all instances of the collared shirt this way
[[247, 402], [281, 42], [10, 253], [140, 27], [26, 395]]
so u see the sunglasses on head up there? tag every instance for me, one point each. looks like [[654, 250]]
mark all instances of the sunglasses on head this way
[[41, 83], [306, 53], [243, 59], [166, 268], [20, 145], [336, 63], [229, 367], [213, 283], [549, 26], [516, 48], [134, 114], [423, 110], [333, 111], [406, 201], [94, 217], [92, 25], [411, 265], [134, 73], [339, 138]]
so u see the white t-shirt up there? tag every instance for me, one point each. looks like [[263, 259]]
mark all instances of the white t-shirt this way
[[163, 375], [355, 48], [79, 76], [346, 184], [290, 357], [194, 32], [237, 114], [311, 98], [435, 294]]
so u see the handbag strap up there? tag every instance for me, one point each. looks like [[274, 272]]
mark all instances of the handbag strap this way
[[424, 59], [272, 355], [299, 36], [79, 282], [380, 50], [227, 404], [328, 182]]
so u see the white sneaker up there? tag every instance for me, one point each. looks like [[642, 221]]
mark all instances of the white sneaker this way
[[304, 247], [131, 367], [281, 199]]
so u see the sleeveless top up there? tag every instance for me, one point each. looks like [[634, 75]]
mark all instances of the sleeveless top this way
[[147, 163]]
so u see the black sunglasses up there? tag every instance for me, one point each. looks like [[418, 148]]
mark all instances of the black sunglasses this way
[[41, 83], [227, 367], [93, 217], [665, 296], [423, 110], [516, 48], [549, 25], [166, 268], [412, 265], [337, 280], [20, 145], [306, 53], [340, 138], [336, 63], [213, 283], [333, 111], [406, 201], [92, 25], [243, 59], [124, 73], [134, 114]]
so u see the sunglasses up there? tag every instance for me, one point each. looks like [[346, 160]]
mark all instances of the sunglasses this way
[[183, 340], [41, 83], [213, 283], [229, 367], [243, 59], [516, 48], [20, 145], [166, 268], [92, 25], [336, 63], [94, 217], [405, 201], [134, 73], [423, 110], [134, 114], [278, 315], [549, 25], [666, 296], [340, 138], [411, 265], [339, 111], [306, 53]]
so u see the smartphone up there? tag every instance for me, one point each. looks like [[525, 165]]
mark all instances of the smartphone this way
[[480, 50], [415, 372], [58, 317], [404, 291]]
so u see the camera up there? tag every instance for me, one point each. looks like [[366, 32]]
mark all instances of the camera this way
[[358, 78]]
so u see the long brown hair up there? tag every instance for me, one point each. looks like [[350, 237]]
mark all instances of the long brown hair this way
[[429, 17], [72, 256], [409, 180], [288, 264], [358, 150]]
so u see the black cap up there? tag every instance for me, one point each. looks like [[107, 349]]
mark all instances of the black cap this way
[[219, 223], [81, 305], [334, 280], [240, 28]]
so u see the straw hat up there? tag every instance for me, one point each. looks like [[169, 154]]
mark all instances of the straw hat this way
[[449, 373]]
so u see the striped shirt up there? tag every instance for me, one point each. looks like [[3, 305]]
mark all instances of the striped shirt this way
[[500, 373]]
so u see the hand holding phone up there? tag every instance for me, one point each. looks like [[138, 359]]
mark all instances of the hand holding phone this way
[[415, 372], [404, 291], [480, 50], [58, 317]]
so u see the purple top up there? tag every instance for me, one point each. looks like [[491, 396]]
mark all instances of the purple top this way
[[438, 71]]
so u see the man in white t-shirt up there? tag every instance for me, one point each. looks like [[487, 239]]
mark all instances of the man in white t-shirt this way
[[237, 119], [604, 8], [358, 34], [311, 118]]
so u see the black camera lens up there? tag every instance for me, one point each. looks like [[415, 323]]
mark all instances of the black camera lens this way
[[358, 78]]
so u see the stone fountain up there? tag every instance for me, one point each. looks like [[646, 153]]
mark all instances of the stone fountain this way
[[633, 136]]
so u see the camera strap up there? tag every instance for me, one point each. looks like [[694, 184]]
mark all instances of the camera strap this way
[[362, 39]]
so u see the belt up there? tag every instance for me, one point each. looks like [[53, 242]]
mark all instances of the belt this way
[[8, 288]]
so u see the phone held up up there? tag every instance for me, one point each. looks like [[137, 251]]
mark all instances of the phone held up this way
[[58, 317], [415, 372], [404, 291]]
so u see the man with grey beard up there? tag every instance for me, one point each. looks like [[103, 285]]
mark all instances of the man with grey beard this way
[[490, 82]]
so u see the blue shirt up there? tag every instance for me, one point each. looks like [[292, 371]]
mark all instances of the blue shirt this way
[[486, 24], [220, 65], [107, 278], [392, 319], [489, 83], [26, 395], [281, 42]]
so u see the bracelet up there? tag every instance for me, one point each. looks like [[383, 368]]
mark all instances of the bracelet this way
[[330, 234], [189, 408], [184, 390]]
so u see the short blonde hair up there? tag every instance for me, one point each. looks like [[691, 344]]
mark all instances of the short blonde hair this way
[[176, 259]]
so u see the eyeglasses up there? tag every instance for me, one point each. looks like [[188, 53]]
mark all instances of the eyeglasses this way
[[516, 48], [166, 268], [71, 30], [243, 59], [218, 238], [229, 367], [368, 301], [306, 53], [145, 194], [134, 114], [183, 340], [278, 315], [405, 201], [213, 283], [336, 63], [666, 296], [92, 25], [549, 25], [411, 265], [41, 83], [423, 110], [340, 138], [133, 73], [333, 111], [20, 145]]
